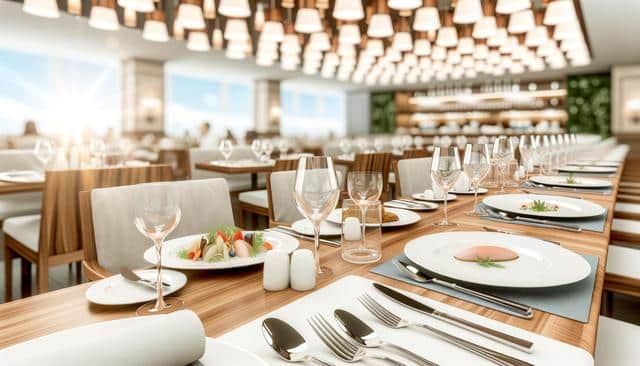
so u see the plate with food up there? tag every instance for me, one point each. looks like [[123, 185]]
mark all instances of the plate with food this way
[[22, 176], [497, 259], [538, 205], [570, 181], [224, 247], [391, 217], [305, 227], [587, 169]]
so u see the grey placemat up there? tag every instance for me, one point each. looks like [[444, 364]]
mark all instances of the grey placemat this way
[[571, 301], [606, 191], [595, 223]]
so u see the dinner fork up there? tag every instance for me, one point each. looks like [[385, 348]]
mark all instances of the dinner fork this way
[[341, 346], [394, 321]]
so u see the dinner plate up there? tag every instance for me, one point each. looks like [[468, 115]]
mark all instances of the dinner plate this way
[[22, 176], [171, 248], [305, 227], [405, 217], [116, 290], [470, 192], [595, 163], [568, 207], [422, 197], [539, 264], [561, 181], [421, 206], [587, 169], [219, 353]]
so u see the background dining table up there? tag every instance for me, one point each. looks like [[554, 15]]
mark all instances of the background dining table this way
[[227, 299], [229, 168], [14, 187]]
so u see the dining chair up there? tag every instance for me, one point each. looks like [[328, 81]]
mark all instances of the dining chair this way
[[412, 176], [236, 182], [178, 159], [616, 343], [256, 203], [415, 153], [53, 237], [374, 162], [112, 241], [24, 203]]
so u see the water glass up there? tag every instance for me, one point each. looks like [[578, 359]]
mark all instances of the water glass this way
[[476, 165], [256, 147], [44, 152], [361, 246], [445, 171], [96, 152], [226, 148], [502, 154], [267, 150], [364, 188]]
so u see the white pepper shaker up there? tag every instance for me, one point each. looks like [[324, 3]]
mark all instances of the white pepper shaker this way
[[303, 270], [275, 274]]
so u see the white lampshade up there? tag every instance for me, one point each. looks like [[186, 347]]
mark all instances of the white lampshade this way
[[311, 54], [380, 26], [512, 6], [547, 48], [425, 62], [264, 61], [41, 8], [289, 66], [235, 54], [537, 36], [290, 58], [521, 22], [142, 6], [470, 73], [571, 44], [481, 52], [467, 12], [236, 29], [320, 41], [447, 37], [198, 41], [272, 31], [516, 68], [103, 18], [346, 49], [404, 4], [393, 55], [239, 45], [402, 41], [331, 58], [190, 16], [466, 45], [290, 44], [498, 39], [234, 8], [155, 31], [558, 12], [268, 47], [375, 47], [510, 45], [308, 21], [348, 10], [438, 53], [217, 39], [467, 61], [453, 57], [349, 34], [493, 58], [485, 27], [426, 19], [566, 30], [422, 47]]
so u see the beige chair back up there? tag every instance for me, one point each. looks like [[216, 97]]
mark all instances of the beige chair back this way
[[19, 160], [413, 176]]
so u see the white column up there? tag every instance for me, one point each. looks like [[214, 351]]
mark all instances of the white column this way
[[266, 105], [142, 96], [358, 112]]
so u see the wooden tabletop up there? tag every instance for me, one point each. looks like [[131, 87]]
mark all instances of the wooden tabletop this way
[[227, 299], [231, 169], [11, 187]]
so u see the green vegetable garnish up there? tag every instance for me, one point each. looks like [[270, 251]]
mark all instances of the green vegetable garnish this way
[[182, 253], [227, 230], [256, 246], [571, 179], [539, 205], [488, 263]]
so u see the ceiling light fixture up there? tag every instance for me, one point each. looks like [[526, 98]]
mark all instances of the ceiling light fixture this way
[[521, 22], [235, 8], [307, 20], [467, 12], [198, 41], [349, 10], [103, 15], [559, 11], [427, 18], [155, 27], [512, 6], [142, 6], [41, 8], [190, 15]]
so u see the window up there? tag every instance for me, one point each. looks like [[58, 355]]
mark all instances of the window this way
[[191, 100], [314, 113], [62, 95]]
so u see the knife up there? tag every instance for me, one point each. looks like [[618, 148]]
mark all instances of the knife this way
[[291, 232], [509, 340]]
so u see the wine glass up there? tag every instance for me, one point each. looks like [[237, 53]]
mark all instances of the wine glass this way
[[267, 149], [157, 213], [345, 146], [502, 153], [528, 152], [316, 192], [96, 152], [364, 188], [283, 147], [476, 164], [546, 155], [226, 148], [445, 171], [256, 147], [43, 151]]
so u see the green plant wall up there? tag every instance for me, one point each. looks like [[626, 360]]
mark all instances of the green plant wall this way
[[383, 112], [589, 104]]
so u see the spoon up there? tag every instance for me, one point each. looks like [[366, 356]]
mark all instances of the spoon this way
[[367, 337], [287, 342]]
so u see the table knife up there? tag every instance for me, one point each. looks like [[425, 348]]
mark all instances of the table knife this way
[[285, 230]]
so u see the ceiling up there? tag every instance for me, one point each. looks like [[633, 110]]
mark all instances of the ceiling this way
[[608, 24]]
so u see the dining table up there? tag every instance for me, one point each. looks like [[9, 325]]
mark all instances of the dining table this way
[[231, 168], [15, 187], [227, 299]]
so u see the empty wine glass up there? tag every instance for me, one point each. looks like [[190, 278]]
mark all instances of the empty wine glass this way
[[345, 146], [96, 152], [476, 164], [528, 153], [226, 148], [283, 147], [364, 188], [267, 149], [157, 213], [502, 153], [44, 152], [445, 171], [256, 147], [316, 192]]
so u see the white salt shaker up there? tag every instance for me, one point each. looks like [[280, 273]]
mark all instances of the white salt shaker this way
[[351, 229], [303, 270], [275, 274]]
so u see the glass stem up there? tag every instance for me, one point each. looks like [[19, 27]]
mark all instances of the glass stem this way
[[316, 246], [160, 305], [446, 215], [363, 209], [475, 196]]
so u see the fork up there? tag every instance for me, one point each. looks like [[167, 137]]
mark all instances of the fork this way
[[341, 346], [394, 321]]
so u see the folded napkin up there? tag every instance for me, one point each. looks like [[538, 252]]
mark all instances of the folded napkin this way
[[462, 184], [159, 340]]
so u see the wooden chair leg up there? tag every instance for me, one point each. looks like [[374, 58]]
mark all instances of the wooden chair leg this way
[[8, 273], [25, 277], [43, 278], [606, 307], [70, 265], [79, 272], [241, 222]]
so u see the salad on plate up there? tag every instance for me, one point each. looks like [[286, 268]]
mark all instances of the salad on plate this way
[[225, 243]]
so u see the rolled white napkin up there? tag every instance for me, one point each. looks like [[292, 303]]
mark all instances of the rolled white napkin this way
[[462, 184], [160, 340], [435, 193]]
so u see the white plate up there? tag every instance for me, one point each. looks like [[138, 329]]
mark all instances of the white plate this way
[[540, 263], [570, 208], [170, 250], [422, 197], [480, 191], [587, 169], [405, 217], [115, 290], [422, 206], [595, 163], [219, 353], [561, 181], [22, 176], [305, 227]]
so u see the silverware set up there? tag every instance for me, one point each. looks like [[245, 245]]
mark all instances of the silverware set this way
[[504, 216], [130, 275], [413, 204], [289, 231], [486, 228], [542, 187]]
